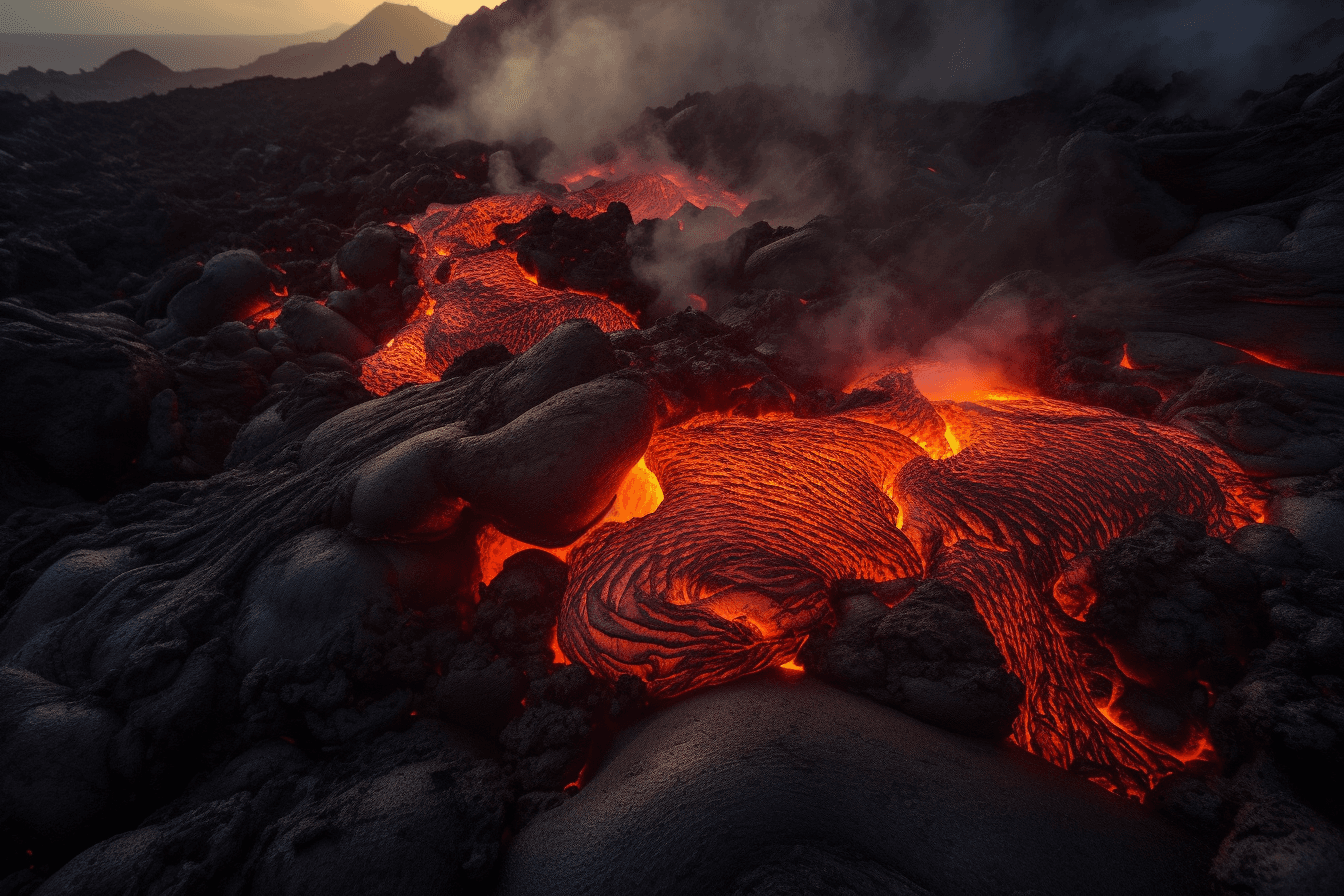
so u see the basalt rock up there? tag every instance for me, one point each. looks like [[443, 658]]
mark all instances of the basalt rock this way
[[316, 328], [542, 477], [232, 286], [709, 791], [1173, 607], [410, 813], [588, 255], [76, 393], [929, 656], [231, 611], [374, 256]]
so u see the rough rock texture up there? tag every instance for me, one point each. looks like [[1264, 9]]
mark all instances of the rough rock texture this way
[[252, 682], [929, 656], [316, 328], [77, 391], [155, 641], [589, 255], [705, 795], [232, 286], [412, 812], [371, 258], [542, 477], [1178, 612]]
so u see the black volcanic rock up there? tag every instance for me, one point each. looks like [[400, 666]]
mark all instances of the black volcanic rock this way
[[588, 255], [76, 392], [371, 258], [404, 815], [301, 630], [232, 285], [930, 656], [218, 683], [713, 788], [316, 328], [1178, 613]]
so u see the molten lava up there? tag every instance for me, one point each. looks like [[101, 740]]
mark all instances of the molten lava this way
[[763, 517], [486, 297], [719, 558]]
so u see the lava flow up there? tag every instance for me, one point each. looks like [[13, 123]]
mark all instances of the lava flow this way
[[476, 293], [720, 556], [762, 517]]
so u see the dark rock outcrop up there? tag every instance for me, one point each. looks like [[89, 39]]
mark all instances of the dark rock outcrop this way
[[710, 791], [930, 656]]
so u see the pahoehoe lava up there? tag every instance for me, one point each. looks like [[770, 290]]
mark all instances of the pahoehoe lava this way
[[390, 515], [761, 518]]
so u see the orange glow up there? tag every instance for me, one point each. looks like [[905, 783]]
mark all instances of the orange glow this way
[[557, 655], [963, 381], [265, 314], [1280, 363], [699, 190], [489, 298], [1124, 360], [792, 666], [697, 302], [763, 516], [639, 495]]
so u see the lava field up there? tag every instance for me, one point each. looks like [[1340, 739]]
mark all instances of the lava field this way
[[386, 515]]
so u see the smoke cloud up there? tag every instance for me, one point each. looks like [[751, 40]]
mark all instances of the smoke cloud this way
[[579, 70]]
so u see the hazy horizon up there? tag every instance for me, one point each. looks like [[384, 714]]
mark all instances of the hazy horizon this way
[[213, 18]]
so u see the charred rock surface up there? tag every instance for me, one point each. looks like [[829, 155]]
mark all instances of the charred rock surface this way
[[705, 796], [164, 637], [244, 644], [929, 656], [586, 255], [78, 394]]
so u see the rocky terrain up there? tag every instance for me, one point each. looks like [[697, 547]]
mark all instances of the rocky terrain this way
[[248, 642]]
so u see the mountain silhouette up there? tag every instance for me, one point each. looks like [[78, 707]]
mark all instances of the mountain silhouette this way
[[132, 65], [405, 30], [389, 28]]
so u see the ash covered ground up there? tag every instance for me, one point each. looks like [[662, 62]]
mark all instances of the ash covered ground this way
[[251, 636]]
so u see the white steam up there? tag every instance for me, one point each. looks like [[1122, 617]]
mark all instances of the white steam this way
[[580, 70], [583, 70]]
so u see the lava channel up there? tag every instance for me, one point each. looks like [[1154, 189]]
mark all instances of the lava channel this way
[[762, 517], [487, 297]]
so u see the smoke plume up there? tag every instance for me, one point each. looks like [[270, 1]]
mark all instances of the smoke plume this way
[[577, 71]]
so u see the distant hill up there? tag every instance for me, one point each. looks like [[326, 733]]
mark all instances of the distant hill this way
[[405, 30], [131, 65], [180, 52], [402, 29]]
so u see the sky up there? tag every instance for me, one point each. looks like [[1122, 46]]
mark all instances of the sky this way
[[202, 16]]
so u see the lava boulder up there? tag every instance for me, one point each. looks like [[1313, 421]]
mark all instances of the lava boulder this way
[[930, 656], [371, 258], [233, 285]]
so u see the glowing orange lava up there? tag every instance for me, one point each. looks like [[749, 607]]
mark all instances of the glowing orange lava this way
[[762, 517], [1281, 363], [487, 296], [720, 554]]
